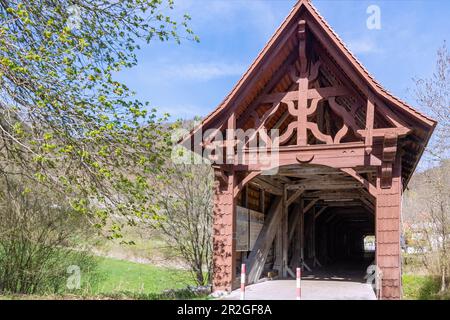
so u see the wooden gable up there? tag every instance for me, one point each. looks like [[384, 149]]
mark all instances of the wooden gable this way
[[307, 84]]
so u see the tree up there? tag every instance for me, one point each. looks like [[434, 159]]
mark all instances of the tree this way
[[185, 216], [433, 95], [65, 121], [184, 204]]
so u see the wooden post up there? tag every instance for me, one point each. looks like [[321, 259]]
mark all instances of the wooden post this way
[[262, 201], [302, 236], [296, 256], [285, 235], [316, 261], [224, 233], [388, 253], [258, 256], [278, 263], [313, 235], [302, 231]]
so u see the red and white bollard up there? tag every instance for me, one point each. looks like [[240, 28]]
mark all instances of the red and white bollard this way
[[299, 283], [243, 282]]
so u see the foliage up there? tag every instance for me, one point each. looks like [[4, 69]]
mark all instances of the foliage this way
[[431, 206], [65, 121], [36, 230], [417, 287]]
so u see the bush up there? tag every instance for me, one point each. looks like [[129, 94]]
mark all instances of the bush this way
[[40, 239], [422, 287]]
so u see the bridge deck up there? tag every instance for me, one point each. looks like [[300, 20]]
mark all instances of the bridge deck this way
[[311, 290]]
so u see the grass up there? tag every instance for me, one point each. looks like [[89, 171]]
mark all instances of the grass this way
[[121, 279], [148, 246], [421, 287], [124, 276]]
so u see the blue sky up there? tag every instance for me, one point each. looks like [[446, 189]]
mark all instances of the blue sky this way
[[193, 78]]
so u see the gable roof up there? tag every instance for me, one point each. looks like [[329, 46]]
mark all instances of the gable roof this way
[[351, 59], [340, 51]]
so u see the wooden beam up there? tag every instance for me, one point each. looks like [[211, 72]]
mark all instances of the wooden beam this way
[[340, 204], [389, 155], [343, 155], [316, 93], [291, 273], [369, 187], [330, 195], [346, 116], [293, 221], [268, 186], [368, 204], [258, 256], [302, 98], [253, 76], [382, 132], [273, 82], [246, 180], [323, 186], [294, 196], [281, 120], [337, 72], [370, 117], [310, 205], [307, 171], [317, 215]]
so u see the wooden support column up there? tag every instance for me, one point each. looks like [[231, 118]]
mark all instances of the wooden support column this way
[[285, 236], [303, 210], [388, 253], [293, 222], [302, 231], [282, 241], [224, 231], [297, 247], [314, 239], [262, 201], [278, 246], [258, 256]]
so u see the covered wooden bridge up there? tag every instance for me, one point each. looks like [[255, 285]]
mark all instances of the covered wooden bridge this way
[[345, 151]]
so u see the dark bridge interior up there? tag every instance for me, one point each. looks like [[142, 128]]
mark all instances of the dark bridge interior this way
[[330, 221]]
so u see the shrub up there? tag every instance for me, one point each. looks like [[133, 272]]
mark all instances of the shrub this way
[[40, 239]]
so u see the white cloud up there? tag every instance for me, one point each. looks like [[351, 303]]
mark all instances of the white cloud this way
[[362, 46], [203, 71]]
